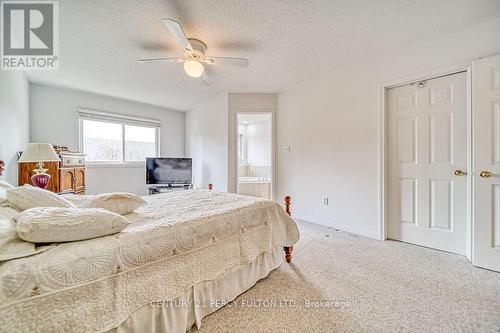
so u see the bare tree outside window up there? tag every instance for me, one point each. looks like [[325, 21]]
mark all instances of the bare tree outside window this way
[[111, 142]]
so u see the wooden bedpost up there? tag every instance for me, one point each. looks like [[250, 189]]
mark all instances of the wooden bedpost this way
[[288, 249], [288, 202], [2, 167], [210, 186]]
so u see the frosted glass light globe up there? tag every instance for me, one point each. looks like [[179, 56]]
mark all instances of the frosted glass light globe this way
[[193, 68]]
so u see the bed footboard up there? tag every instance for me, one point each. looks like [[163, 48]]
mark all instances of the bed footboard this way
[[288, 249], [288, 201]]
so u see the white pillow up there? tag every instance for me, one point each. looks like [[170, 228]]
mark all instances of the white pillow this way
[[119, 203], [27, 196], [77, 199], [11, 246], [4, 186], [55, 224]]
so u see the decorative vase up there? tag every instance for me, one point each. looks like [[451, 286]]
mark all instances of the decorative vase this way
[[40, 180]]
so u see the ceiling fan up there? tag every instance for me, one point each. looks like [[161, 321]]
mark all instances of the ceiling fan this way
[[195, 54]]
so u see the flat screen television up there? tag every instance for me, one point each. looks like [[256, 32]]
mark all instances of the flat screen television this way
[[169, 171]]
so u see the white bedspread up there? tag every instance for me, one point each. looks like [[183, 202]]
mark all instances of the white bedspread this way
[[176, 241]]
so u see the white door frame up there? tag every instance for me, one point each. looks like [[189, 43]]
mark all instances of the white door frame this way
[[382, 130], [234, 139]]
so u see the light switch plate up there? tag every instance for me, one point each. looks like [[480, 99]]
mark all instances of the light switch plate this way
[[285, 149]]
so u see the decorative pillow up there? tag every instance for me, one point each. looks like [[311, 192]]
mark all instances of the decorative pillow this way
[[55, 224], [11, 246], [77, 199], [119, 203], [27, 196], [4, 186]]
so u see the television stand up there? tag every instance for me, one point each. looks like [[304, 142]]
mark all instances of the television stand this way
[[162, 188]]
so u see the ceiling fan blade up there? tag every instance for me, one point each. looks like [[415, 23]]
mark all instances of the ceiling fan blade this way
[[227, 61], [146, 61], [175, 29]]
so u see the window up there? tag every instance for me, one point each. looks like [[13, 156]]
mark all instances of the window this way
[[102, 142], [140, 142], [111, 139]]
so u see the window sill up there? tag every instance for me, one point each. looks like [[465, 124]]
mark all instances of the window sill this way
[[115, 165]]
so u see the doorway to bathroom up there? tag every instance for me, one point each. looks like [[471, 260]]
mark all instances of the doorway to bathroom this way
[[255, 154]]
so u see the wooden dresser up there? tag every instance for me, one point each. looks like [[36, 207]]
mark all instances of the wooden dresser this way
[[68, 175]]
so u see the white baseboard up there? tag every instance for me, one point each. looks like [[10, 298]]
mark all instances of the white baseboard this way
[[343, 227]]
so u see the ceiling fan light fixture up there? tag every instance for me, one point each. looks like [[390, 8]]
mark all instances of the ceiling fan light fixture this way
[[194, 54], [193, 68]]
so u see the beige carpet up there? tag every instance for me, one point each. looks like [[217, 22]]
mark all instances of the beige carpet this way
[[378, 286]]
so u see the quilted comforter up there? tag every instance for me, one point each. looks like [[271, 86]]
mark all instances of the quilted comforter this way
[[174, 242]]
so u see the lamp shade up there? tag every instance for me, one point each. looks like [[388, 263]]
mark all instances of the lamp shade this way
[[39, 152]]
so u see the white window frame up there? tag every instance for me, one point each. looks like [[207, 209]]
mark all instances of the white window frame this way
[[115, 118]]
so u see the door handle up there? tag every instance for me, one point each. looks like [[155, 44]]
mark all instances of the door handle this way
[[460, 173], [485, 174]]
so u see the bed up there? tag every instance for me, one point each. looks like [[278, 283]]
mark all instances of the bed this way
[[185, 255]]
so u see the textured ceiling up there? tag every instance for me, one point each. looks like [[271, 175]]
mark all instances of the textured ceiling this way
[[286, 41]]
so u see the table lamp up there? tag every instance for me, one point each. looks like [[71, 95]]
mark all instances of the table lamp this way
[[39, 153]]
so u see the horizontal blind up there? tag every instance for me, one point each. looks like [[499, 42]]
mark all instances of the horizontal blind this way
[[117, 118]]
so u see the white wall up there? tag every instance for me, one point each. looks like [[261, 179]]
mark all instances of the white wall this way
[[207, 142], [331, 123], [210, 136], [259, 143], [14, 120], [53, 120]]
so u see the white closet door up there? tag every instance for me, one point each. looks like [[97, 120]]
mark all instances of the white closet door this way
[[427, 144], [486, 228]]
